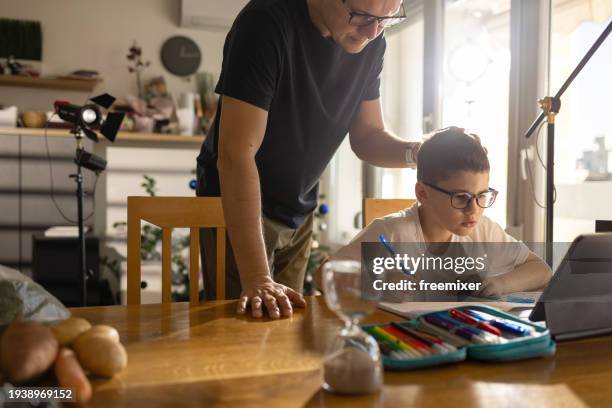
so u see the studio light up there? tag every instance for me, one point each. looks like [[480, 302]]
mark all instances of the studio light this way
[[86, 120]]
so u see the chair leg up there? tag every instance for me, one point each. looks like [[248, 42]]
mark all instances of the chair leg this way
[[194, 266], [220, 263], [166, 265], [133, 257]]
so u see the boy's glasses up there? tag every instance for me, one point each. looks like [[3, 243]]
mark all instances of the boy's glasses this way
[[359, 19], [462, 199]]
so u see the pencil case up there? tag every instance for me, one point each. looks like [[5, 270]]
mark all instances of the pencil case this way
[[459, 340]]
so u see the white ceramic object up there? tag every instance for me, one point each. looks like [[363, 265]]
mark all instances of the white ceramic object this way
[[8, 117]]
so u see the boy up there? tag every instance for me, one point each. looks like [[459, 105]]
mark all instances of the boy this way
[[452, 192]]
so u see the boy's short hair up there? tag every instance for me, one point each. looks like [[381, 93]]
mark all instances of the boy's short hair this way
[[449, 151]]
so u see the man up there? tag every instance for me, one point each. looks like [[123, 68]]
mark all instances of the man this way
[[297, 75]]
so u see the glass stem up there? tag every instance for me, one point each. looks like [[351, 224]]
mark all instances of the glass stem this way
[[350, 328]]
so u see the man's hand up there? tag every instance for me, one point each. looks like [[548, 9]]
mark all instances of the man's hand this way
[[242, 130], [277, 298]]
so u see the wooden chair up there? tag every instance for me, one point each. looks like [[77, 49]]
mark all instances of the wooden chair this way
[[373, 208], [379, 207], [168, 213]]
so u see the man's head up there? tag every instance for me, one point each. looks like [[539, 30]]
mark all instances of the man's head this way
[[453, 180], [354, 23]]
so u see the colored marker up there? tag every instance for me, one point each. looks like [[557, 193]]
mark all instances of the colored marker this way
[[501, 324], [454, 328], [419, 347], [459, 315], [402, 344], [432, 341], [392, 251], [484, 335], [474, 330], [419, 341], [381, 335], [410, 336], [392, 350], [424, 335]]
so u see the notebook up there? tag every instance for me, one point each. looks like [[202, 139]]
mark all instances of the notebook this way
[[507, 303]]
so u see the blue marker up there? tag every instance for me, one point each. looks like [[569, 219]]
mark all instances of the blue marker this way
[[500, 323], [392, 251]]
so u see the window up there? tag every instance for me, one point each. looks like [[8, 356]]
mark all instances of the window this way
[[583, 131], [476, 77], [474, 87], [402, 98]]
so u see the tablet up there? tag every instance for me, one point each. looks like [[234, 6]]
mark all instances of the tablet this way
[[584, 276]]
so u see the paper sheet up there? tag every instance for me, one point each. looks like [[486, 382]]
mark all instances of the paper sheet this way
[[413, 309]]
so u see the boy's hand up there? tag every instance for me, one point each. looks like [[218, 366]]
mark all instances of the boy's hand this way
[[492, 287]]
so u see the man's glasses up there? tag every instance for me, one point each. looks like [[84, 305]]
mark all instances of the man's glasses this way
[[359, 19], [461, 200]]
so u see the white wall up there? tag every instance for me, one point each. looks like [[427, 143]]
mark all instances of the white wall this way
[[96, 35], [342, 185]]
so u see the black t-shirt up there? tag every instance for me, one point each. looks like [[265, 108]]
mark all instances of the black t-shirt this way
[[275, 58]]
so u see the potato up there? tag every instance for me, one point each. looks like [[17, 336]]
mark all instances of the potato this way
[[68, 330], [28, 350], [99, 354], [104, 331]]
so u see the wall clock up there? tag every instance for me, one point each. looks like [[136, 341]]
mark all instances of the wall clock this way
[[181, 55]]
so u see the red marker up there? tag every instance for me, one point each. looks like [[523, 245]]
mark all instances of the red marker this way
[[407, 339], [456, 314]]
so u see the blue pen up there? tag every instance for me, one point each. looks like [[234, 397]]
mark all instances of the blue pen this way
[[392, 251], [501, 324]]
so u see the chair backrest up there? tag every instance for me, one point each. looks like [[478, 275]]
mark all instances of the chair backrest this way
[[168, 213], [379, 207]]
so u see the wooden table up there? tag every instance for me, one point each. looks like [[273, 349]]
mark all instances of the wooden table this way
[[207, 356]]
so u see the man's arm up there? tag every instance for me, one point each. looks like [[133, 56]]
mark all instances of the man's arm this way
[[375, 145], [531, 275], [241, 132]]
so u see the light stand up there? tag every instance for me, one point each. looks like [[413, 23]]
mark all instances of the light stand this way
[[550, 108], [78, 178], [85, 119]]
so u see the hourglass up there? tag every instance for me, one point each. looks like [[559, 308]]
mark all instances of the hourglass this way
[[353, 363]]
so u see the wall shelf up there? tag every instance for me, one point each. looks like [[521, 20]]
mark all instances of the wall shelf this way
[[84, 85], [124, 139]]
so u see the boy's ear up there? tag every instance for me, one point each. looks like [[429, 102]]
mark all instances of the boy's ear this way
[[420, 192]]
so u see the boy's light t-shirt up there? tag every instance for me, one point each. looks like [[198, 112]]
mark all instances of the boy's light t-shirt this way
[[405, 226]]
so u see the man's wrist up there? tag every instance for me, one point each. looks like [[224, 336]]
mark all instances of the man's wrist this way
[[255, 279], [412, 151]]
